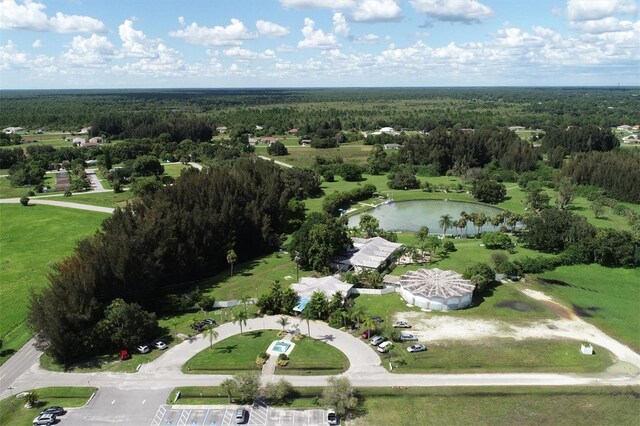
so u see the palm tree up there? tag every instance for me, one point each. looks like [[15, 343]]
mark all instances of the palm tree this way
[[370, 324], [459, 225], [245, 301], [229, 386], [482, 220], [345, 317], [213, 335], [306, 315], [231, 259], [445, 223], [357, 312], [463, 223], [496, 221], [283, 321], [240, 317]]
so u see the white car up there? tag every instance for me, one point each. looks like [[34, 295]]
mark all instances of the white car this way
[[384, 347], [406, 337], [401, 324], [143, 349], [376, 340], [159, 344], [416, 348]]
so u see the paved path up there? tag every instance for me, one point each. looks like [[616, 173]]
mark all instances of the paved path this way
[[67, 204], [279, 163], [96, 184]]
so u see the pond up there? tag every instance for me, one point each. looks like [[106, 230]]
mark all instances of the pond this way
[[411, 215]]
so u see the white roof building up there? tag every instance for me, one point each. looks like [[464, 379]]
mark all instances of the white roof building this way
[[11, 130], [436, 289], [327, 285], [369, 253]]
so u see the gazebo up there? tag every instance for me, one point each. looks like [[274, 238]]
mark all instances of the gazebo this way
[[436, 289]]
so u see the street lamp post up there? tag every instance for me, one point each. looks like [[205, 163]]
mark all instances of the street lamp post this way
[[297, 260]]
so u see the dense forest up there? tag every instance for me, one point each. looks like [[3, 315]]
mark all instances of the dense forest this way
[[144, 251], [278, 110]]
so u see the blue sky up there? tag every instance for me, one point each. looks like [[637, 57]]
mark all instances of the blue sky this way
[[317, 43]]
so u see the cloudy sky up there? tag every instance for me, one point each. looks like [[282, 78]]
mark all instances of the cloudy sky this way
[[309, 43]]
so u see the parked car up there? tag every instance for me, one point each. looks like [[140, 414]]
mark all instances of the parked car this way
[[58, 411], [159, 344], [401, 324], [332, 417], [240, 416], [406, 337], [416, 348], [124, 355], [44, 419], [377, 318], [143, 349], [376, 340], [209, 321], [367, 334], [385, 346]]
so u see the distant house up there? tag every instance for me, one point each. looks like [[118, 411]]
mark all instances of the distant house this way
[[292, 131], [84, 130], [516, 128], [259, 127], [368, 254], [327, 285], [468, 131], [221, 129], [79, 141], [88, 144], [253, 141], [305, 142], [630, 139], [96, 140], [392, 146], [624, 128], [269, 140], [12, 130]]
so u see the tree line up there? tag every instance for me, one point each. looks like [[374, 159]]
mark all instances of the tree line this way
[[181, 233]]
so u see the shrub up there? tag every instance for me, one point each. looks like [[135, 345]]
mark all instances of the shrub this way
[[283, 360], [68, 193], [496, 240], [24, 200]]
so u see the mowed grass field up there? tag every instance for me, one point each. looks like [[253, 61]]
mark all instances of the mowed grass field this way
[[8, 191], [13, 413], [31, 239], [607, 297]]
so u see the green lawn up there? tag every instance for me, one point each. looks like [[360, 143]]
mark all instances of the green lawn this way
[[314, 357], [303, 156], [103, 199], [232, 355], [8, 191], [31, 239], [499, 406], [252, 278], [174, 170], [13, 413], [498, 355], [238, 353], [607, 297]]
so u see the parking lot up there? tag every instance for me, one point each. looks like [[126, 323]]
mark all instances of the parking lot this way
[[258, 415]]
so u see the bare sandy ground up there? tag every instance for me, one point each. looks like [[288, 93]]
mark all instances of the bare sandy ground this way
[[442, 327]]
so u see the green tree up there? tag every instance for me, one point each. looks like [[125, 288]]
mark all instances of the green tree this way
[[422, 235], [212, 334], [480, 274], [369, 225], [445, 223], [536, 198], [240, 317], [566, 192], [496, 240], [245, 301], [597, 206], [147, 165], [277, 149], [339, 395], [232, 257], [24, 200], [488, 191], [277, 393], [283, 321], [318, 240], [207, 303], [247, 385], [307, 316], [126, 324], [377, 162], [229, 386], [318, 306]]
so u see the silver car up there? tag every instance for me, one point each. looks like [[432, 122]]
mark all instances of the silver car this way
[[376, 340], [406, 337], [416, 348]]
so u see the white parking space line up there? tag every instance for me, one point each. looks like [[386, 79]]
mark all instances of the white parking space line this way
[[159, 416], [184, 417], [228, 416]]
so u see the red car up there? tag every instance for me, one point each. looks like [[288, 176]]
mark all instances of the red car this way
[[124, 355], [367, 334]]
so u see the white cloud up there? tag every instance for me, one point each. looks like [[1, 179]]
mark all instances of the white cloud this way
[[181, 20], [604, 25], [134, 42], [37, 44], [29, 15], [166, 62], [340, 25], [587, 10], [270, 29], [309, 4], [231, 35], [239, 52], [285, 48], [268, 54], [467, 11], [92, 51], [316, 38], [377, 11], [11, 57], [367, 39]]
